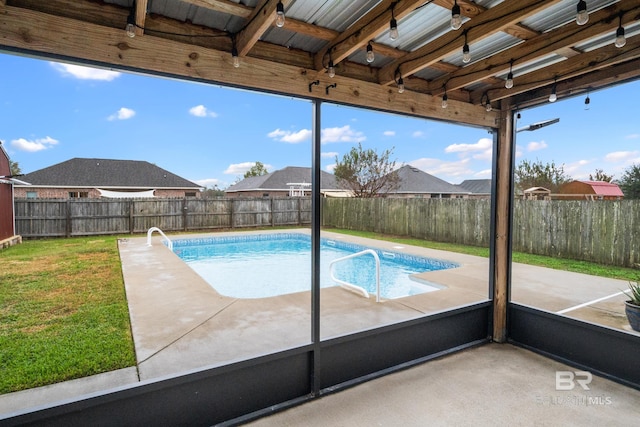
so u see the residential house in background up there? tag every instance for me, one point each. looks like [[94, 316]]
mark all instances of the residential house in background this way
[[589, 190], [478, 188], [7, 217], [292, 181], [96, 178], [415, 183]]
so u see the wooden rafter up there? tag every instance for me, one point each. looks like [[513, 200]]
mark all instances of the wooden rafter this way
[[594, 60], [554, 41], [490, 22], [367, 28], [141, 16]]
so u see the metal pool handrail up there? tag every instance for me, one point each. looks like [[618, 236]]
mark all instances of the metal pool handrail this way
[[355, 288], [151, 230]]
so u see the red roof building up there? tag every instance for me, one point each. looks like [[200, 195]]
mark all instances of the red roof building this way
[[590, 190]]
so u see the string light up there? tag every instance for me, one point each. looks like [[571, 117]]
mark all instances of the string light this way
[[553, 97], [445, 99], [393, 25], [332, 69], [400, 85], [280, 15], [582, 17], [131, 22], [587, 101], [456, 18], [466, 55], [487, 105], [234, 57], [509, 82], [370, 55], [620, 39]]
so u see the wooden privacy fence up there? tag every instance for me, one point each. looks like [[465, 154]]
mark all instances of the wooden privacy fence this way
[[605, 232], [84, 217]]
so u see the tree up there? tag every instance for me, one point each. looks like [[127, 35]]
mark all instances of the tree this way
[[600, 176], [257, 169], [630, 182], [536, 174], [366, 173], [15, 168], [213, 192]]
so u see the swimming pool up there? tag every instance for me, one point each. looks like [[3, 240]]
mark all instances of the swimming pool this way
[[264, 265]]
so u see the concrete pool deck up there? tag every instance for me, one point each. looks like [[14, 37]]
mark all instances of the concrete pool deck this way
[[180, 323]]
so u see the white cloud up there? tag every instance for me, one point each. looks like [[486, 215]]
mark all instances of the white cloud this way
[[202, 111], [483, 174], [417, 134], [241, 168], [535, 146], [482, 145], [574, 169], [35, 145], [632, 136], [441, 168], [342, 134], [122, 114], [329, 154], [85, 73], [330, 168], [389, 133], [620, 156], [289, 136]]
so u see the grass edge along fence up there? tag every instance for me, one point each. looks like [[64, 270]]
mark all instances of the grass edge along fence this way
[[604, 232]]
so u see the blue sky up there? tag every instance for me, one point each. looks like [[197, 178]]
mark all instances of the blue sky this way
[[211, 135]]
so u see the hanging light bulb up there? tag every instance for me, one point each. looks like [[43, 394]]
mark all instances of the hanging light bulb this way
[[234, 57], [370, 55], [456, 18], [587, 101], [332, 69], [582, 17], [280, 15], [466, 54], [488, 106], [393, 24], [509, 82], [445, 100], [553, 97], [131, 22], [620, 40], [400, 85], [393, 29]]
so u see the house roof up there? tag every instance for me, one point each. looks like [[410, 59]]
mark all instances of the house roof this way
[[280, 180], [603, 188], [476, 186], [81, 172], [414, 180]]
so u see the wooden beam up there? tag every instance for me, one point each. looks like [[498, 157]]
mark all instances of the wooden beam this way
[[365, 29], [29, 32], [259, 21], [224, 6], [490, 22], [470, 10], [615, 74], [584, 63], [503, 194], [141, 16], [557, 40]]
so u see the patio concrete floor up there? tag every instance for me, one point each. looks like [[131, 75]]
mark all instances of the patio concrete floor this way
[[180, 323]]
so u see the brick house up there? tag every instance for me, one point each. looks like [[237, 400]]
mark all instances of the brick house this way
[[96, 178], [7, 216]]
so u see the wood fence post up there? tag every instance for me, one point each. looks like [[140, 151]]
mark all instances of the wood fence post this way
[[131, 208], [68, 222]]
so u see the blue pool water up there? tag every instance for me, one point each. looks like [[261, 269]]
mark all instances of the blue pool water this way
[[264, 265]]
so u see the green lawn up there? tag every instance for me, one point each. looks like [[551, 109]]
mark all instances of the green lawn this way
[[63, 312]]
